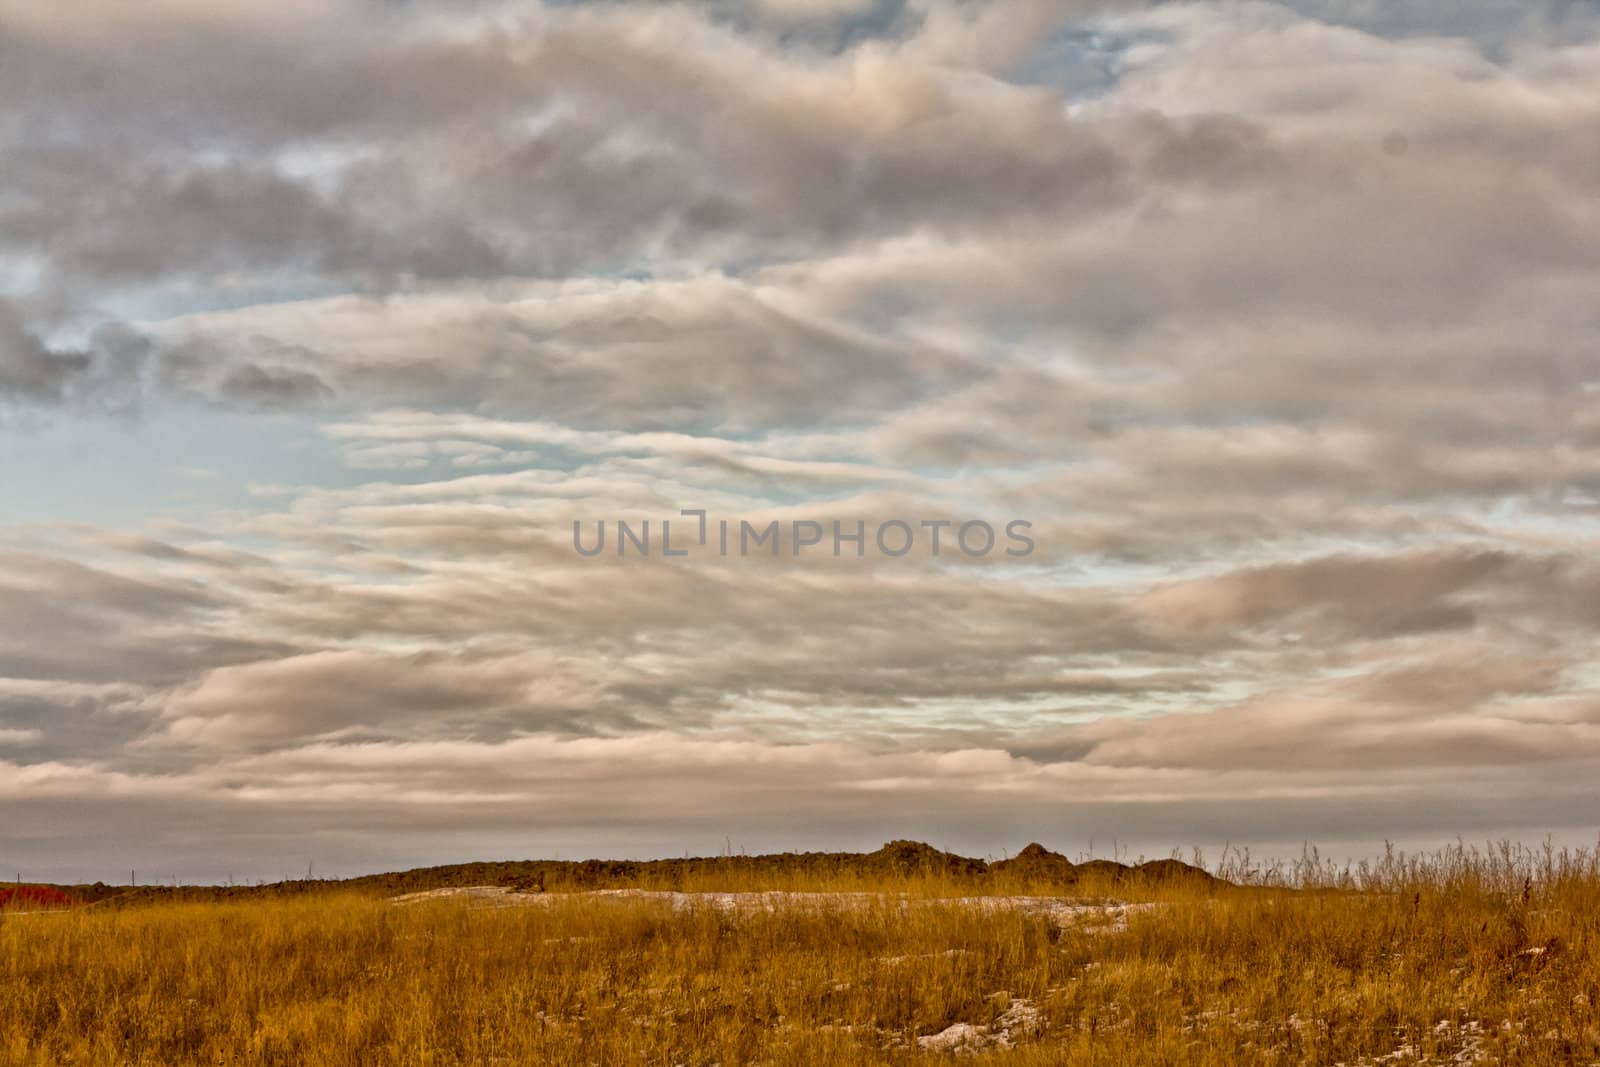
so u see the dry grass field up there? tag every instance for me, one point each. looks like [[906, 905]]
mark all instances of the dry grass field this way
[[1462, 957]]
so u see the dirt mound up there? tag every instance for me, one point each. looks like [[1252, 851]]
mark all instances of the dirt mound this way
[[1038, 865], [1173, 872], [1035, 863], [913, 858]]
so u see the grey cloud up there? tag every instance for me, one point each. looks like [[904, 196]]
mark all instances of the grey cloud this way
[[400, 805], [99, 223], [721, 151], [29, 367], [603, 137], [1447, 713], [637, 644], [68, 621], [340, 691], [1370, 597], [105, 372], [273, 386], [702, 353], [1283, 341], [629, 159]]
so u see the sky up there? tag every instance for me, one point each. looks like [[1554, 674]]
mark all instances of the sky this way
[[322, 323]]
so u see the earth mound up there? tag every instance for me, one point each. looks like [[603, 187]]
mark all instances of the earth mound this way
[[1036, 863]]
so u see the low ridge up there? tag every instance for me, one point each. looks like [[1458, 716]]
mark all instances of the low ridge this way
[[1035, 868]]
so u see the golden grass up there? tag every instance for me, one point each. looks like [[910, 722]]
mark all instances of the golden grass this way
[[1463, 957]]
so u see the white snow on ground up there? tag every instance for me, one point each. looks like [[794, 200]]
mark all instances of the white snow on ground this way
[[1020, 1020], [1099, 914]]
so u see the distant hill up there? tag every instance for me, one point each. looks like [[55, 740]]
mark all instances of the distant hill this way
[[1034, 869], [1034, 866], [1039, 863]]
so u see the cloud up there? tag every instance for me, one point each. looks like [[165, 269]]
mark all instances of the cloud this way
[[1366, 597], [1277, 328], [105, 372], [796, 11], [331, 692], [350, 807]]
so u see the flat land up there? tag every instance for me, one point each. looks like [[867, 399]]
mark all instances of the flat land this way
[[1465, 960]]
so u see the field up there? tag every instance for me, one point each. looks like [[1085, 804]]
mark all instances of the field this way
[[1461, 957]]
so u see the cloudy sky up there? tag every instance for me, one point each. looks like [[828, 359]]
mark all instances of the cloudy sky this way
[[322, 322]]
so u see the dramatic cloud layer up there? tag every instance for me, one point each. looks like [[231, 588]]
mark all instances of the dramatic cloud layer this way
[[322, 322]]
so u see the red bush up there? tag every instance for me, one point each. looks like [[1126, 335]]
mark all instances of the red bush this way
[[34, 896]]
